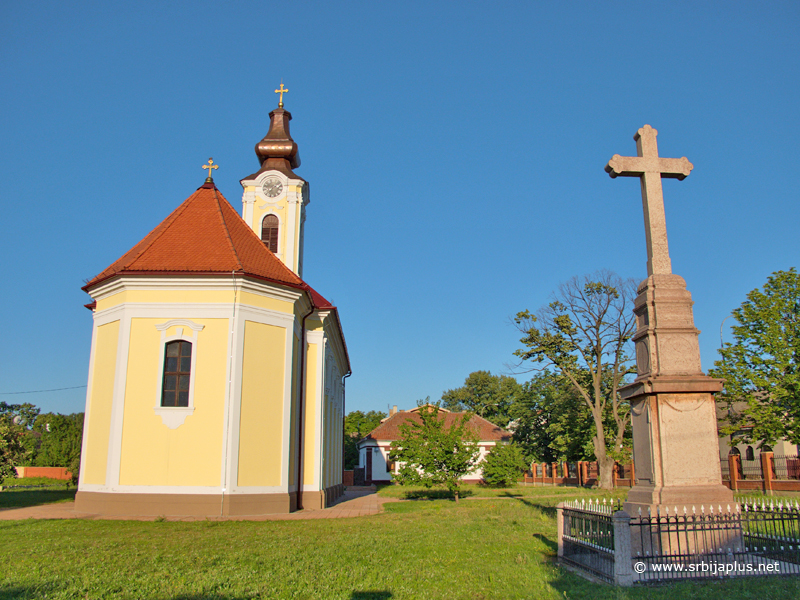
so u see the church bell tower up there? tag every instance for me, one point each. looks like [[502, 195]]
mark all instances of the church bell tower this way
[[274, 199]]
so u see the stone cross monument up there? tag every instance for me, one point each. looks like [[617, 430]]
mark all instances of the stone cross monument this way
[[675, 447]]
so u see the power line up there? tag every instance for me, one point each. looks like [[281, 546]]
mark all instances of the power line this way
[[39, 391]]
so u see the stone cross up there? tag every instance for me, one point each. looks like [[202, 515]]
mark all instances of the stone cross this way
[[210, 166], [650, 168], [281, 92]]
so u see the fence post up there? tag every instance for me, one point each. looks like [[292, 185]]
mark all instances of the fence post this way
[[560, 529], [766, 471], [733, 469], [614, 475], [623, 573], [633, 475], [565, 471], [584, 472]]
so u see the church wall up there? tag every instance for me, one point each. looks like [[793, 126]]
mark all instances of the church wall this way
[[189, 455], [261, 421], [293, 416], [310, 451], [98, 409]]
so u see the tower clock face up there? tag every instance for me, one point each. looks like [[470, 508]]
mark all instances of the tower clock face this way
[[272, 187]]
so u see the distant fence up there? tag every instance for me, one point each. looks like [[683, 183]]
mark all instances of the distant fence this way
[[743, 540], [51, 472], [581, 473], [768, 473]]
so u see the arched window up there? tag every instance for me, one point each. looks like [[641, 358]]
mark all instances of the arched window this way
[[749, 454], [734, 452], [269, 232], [177, 371]]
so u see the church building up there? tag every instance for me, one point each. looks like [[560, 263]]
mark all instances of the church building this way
[[216, 375]]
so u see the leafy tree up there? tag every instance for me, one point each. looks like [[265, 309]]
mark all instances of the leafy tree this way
[[357, 425], [762, 366], [432, 454], [584, 333], [504, 465], [551, 420], [24, 416], [487, 395], [60, 441], [12, 451]]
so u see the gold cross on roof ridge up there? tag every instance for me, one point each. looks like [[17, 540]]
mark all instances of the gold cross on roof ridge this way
[[281, 92], [210, 166]]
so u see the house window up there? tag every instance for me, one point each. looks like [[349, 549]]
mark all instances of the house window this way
[[749, 454], [269, 232], [177, 373]]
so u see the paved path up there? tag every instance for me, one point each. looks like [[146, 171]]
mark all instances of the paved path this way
[[354, 503]]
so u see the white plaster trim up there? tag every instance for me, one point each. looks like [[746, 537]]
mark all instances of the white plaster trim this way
[[180, 322], [109, 315], [219, 281], [175, 416], [196, 311], [118, 401], [88, 414], [233, 403]]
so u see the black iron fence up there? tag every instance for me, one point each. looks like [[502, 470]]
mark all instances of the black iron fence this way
[[587, 537], [745, 539]]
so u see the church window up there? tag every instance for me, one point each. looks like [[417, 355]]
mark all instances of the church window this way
[[177, 373], [269, 232], [749, 454]]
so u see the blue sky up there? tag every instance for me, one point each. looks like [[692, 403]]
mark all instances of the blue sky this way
[[455, 153]]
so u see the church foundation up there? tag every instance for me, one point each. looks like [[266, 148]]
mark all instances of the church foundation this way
[[184, 505]]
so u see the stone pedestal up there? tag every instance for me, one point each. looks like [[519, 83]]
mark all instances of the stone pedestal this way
[[675, 448]]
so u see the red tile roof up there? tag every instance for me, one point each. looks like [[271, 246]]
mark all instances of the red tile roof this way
[[390, 428], [204, 235]]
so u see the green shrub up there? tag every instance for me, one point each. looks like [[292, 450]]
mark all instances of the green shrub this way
[[503, 466]]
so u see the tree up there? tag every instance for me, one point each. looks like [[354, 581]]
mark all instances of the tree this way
[[12, 450], [487, 395], [60, 441], [584, 333], [504, 465], [357, 425], [431, 453], [551, 421], [762, 366], [24, 416]]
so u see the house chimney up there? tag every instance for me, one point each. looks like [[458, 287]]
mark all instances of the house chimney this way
[[393, 410]]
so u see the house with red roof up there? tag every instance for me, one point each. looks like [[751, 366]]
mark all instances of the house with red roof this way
[[216, 378], [374, 448]]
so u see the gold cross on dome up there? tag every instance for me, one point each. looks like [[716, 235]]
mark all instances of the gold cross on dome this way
[[281, 92], [210, 166]]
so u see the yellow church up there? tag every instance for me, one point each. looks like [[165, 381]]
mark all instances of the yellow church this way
[[216, 375]]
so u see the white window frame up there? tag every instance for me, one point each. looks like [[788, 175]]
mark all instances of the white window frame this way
[[174, 416]]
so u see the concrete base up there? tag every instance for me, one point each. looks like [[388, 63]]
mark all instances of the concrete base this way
[[176, 505], [321, 499]]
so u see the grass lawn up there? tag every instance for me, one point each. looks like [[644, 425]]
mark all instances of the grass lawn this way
[[482, 549], [47, 491]]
